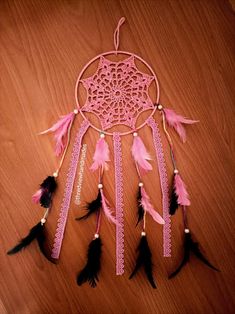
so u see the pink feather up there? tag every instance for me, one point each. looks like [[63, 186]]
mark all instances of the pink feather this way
[[174, 120], [106, 208], [140, 154], [148, 207], [61, 130], [180, 190], [101, 155], [36, 197]]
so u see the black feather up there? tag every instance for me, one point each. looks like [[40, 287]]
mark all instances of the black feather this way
[[195, 249], [46, 198], [90, 271], [33, 233], [144, 259], [140, 207], [190, 246], [41, 239], [92, 207], [48, 187], [173, 200], [49, 183], [37, 232], [187, 243]]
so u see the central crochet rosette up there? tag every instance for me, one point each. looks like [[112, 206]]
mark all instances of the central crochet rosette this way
[[117, 93]]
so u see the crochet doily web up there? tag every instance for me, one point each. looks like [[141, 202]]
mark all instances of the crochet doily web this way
[[117, 92]]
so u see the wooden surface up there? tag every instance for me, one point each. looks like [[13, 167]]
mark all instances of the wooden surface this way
[[44, 45]]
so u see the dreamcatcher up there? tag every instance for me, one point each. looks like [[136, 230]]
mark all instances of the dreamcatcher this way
[[117, 93]]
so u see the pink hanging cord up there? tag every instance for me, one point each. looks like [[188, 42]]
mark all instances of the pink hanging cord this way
[[185, 220], [116, 33], [140, 178], [98, 215], [169, 139], [98, 222]]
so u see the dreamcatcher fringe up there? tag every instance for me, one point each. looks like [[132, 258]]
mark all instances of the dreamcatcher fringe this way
[[179, 194], [61, 223], [100, 162], [119, 203], [161, 165]]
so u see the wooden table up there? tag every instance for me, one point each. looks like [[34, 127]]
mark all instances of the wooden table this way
[[44, 45]]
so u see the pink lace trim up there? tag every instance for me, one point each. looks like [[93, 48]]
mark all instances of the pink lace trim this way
[[61, 223], [119, 204], [164, 186]]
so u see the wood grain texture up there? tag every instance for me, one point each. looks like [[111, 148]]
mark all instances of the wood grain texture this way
[[43, 46]]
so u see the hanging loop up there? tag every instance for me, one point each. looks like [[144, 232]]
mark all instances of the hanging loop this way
[[116, 33]]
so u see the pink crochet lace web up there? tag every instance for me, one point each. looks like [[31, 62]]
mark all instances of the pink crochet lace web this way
[[117, 93]]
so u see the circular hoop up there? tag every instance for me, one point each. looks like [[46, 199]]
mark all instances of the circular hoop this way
[[115, 53]]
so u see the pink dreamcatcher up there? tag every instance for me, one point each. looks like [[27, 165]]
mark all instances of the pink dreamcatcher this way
[[117, 93]]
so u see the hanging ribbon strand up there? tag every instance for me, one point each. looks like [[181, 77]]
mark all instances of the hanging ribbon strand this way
[[179, 194], [100, 158], [119, 203], [161, 165], [61, 223], [144, 258]]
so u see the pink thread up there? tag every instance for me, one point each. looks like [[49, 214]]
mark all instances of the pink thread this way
[[119, 204], [164, 186], [61, 223], [185, 220], [98, 222]]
